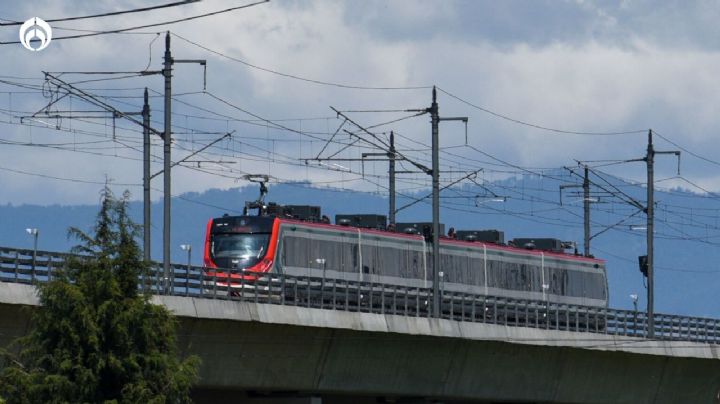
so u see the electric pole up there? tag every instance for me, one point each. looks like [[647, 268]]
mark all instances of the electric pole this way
[[167, 73], [167, 143], [586, 207], [650, 210], [146, 177], [391, 155], [435, 122], [650, 159], [586, 213]]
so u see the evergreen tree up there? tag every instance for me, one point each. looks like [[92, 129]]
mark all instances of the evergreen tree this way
[[95, 338]]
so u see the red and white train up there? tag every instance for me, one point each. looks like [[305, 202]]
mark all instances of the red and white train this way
[[249, 246]]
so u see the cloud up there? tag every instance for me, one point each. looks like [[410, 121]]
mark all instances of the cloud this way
[[574, 65]]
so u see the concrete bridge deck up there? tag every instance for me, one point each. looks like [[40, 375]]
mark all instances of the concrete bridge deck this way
[[272, 351]]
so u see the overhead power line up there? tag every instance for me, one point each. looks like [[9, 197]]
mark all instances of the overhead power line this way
[[296, 77], [536, 126], [108, 14], [121, 30], [686, 150]]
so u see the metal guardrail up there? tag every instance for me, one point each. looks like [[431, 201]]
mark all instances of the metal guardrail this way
[[18, 265]]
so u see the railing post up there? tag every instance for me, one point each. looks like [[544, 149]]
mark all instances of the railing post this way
[[17, 264], [295, 291], [322, 291], [370, 297], [484, 309], [309, 291], [34, 260], [451, 314], [405, 300], [394, 299], [495, 312], [158, 279], [472, 310], [382, 299], [258, 285], [187, 281], [215, 282], [282, 289], [334, 294], [417, 302]]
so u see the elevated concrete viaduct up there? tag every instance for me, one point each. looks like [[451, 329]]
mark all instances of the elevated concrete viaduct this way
[[269, 354]]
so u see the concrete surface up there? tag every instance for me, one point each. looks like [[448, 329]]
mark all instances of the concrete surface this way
[[259, 349]]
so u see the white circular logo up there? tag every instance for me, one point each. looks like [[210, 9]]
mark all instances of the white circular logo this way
[[38, 30]]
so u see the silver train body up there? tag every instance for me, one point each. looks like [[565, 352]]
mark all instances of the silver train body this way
[[309, 249]]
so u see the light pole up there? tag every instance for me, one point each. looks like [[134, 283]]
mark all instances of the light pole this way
[[33, 232], [634, 298], [188, 248]]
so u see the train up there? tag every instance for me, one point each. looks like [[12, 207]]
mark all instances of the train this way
[[298, 241]]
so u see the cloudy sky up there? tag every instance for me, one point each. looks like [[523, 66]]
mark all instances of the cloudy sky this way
[[577, 66]]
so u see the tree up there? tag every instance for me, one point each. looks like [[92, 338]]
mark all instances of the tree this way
[[96, 338]]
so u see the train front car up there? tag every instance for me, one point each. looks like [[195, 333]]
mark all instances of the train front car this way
[[239, 249]]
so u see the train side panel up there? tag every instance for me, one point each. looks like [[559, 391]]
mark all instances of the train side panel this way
[[361, 255]]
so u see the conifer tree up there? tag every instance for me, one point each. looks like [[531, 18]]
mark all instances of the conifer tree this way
[[96, 337]]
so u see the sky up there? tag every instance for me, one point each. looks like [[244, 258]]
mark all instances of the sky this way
[[544, 84], [582, 66]]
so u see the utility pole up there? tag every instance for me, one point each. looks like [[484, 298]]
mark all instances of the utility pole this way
[[167, 73], [586, 206], [167, 143], [586, 212], [650, 210], [391, 155], [650, 159], [146, 177], [435, 119]]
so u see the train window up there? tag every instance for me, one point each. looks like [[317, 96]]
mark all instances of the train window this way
[[239, 245], [415, 261], [369, 256], [477, 269], [295, 251]]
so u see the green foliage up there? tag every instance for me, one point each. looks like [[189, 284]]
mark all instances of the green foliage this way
[[95, 338]]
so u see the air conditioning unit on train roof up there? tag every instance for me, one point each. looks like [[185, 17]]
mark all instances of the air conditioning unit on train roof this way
[[378, 222], [488, 236], [298, 212], [424, 228], [303, 212], [547, 244]]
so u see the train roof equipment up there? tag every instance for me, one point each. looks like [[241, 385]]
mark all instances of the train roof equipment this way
[[366, 221], [422, 228], [547, 244], [488, 236]]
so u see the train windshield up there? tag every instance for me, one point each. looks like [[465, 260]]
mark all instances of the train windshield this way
[[249, 247]]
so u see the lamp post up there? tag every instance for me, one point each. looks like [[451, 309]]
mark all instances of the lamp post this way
[[34, 232], [634, 298], [188, 248]]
